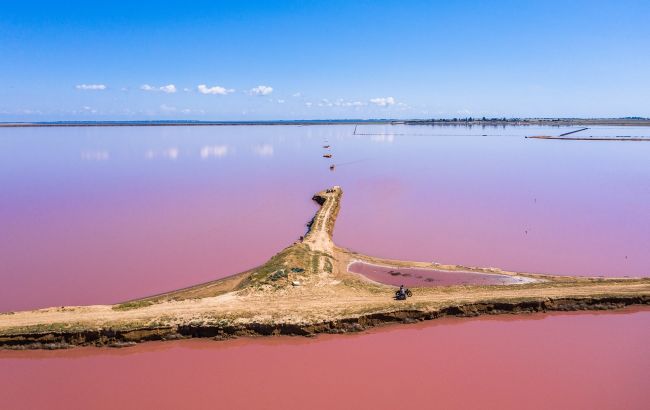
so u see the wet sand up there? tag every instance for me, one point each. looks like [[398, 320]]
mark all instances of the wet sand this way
[[583, 361]]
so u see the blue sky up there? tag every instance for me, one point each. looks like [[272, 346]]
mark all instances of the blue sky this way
[[236, 60]]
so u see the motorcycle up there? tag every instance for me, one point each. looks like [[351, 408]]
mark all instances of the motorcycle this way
[[407, 293]]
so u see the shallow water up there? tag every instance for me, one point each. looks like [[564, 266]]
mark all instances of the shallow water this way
[[106, 214], [430, 277], [579, 361]]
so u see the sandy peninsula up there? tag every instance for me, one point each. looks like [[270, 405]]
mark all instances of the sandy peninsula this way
[[307, 289]]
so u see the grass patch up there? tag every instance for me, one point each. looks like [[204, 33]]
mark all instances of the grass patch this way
[[277, 275], [314, 263], [136, 304]]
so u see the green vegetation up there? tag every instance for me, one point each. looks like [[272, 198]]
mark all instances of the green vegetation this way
[[136, 304], [294, 259], [277, 275]]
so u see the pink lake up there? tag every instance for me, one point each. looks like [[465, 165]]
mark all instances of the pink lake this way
[[430, 277], [579, 361], [103, 215], [106, 214]]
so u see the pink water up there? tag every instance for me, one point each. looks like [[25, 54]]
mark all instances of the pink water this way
[[429, 277], [578, 361], [101, 215]]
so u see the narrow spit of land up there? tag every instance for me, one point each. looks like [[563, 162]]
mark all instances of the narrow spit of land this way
[[307, 289], [573, 138]]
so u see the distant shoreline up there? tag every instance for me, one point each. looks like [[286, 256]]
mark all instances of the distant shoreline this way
[[643, 122]]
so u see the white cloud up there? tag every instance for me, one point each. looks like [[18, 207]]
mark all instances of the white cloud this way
[[309, 104], [217, 151], [215, 90], [187, 90], [297, 95], [265, 150], [342, 103], [383, 101], [280, 101], [169, 88], [95, 155], [261, 90], [90, 87]]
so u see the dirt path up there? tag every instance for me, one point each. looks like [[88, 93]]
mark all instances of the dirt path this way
[[319, 237]]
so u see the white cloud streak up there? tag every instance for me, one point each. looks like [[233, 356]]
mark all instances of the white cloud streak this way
[[383, 101], [169, 88], [90, 87], [340, 103], [215, 90], [261, 90]]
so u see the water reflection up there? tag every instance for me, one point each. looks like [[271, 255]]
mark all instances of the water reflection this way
[[216, 151], [168, 153], [264, 150], [95, 155]]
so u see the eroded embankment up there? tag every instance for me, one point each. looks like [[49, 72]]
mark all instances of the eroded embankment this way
[[127, 337]]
